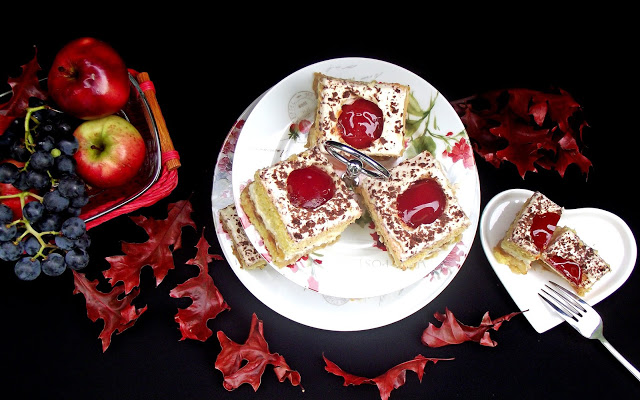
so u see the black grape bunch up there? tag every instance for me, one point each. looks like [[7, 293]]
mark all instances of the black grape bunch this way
[[43, 232]]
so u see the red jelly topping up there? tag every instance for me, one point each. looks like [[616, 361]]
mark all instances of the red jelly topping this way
[[542, 228], [422, 203], [309, 187], [569, 269], [360, 123]]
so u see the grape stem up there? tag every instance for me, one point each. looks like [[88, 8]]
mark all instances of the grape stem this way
[[28, 138], [21, 195]]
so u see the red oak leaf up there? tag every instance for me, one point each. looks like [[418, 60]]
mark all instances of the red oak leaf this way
[[392, 379], [245, 363], [25, 86], [207, 302], [117, 313], [165, 236], [453, 332], [527, 128]]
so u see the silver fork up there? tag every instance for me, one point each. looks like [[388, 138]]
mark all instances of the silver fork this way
[[582, 317]]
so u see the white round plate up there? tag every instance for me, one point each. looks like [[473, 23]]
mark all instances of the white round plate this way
[[309, 307], [605, 232], [355, 266]]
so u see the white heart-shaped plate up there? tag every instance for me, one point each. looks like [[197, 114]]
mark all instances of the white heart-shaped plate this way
[[605, 232]]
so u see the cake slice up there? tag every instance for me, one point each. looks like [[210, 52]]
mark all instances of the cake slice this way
[[299, 205], [243, 250], [529, 233], [415, 212], [579, 264], [368, 116]]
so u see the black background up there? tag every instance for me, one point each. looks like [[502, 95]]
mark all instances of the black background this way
[[207, 67]]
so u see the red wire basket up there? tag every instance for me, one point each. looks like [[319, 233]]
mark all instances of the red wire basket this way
[[158, 175]]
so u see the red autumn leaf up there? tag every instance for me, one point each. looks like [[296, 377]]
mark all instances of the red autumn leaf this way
[[453, 332], [165, 236], [25, 86], [245, 363], [527, 128], [117, 313], [392, 379], [207, 301]]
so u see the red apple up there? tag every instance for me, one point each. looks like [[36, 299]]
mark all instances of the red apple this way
[[88, 79], [110, 151]]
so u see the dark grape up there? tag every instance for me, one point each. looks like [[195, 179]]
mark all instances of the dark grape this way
[[49, 172], [41, 160], [47, 128], [71, 186], [65, 165], [7, 232], [79, 201], [83, 242], [49, 222], [64, 243], [9, 137], [27, 269], [8, 172], [55, 202], [10, 251], [76, 259], [65, 128], [38, 180], [21, 183], [46, 143], [74, 211], [68, 146], [6, 213], [32, 246], [32, 211], [19, 152], [54, 264], [73, 227]]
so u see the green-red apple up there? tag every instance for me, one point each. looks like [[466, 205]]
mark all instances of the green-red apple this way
[[110, 151]]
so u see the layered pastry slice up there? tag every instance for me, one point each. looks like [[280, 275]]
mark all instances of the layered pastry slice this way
[[242, 247], [368, 116], [299, 205], [529, 233], [579, 264], [415, 211]]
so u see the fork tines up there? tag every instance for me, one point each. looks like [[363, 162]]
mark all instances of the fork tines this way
[[563, 301]]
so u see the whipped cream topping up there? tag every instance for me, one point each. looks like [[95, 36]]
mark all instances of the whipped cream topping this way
[[302, 223], [568, 246], [232, 225], [521, 236], [391, 98], [383, 194]]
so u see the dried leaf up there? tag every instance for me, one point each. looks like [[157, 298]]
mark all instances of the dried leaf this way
[[207, 301], [392, 379], [25, 86], [117, 313], [453, 332], [527, 128], [245, 363], [165, 236]]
